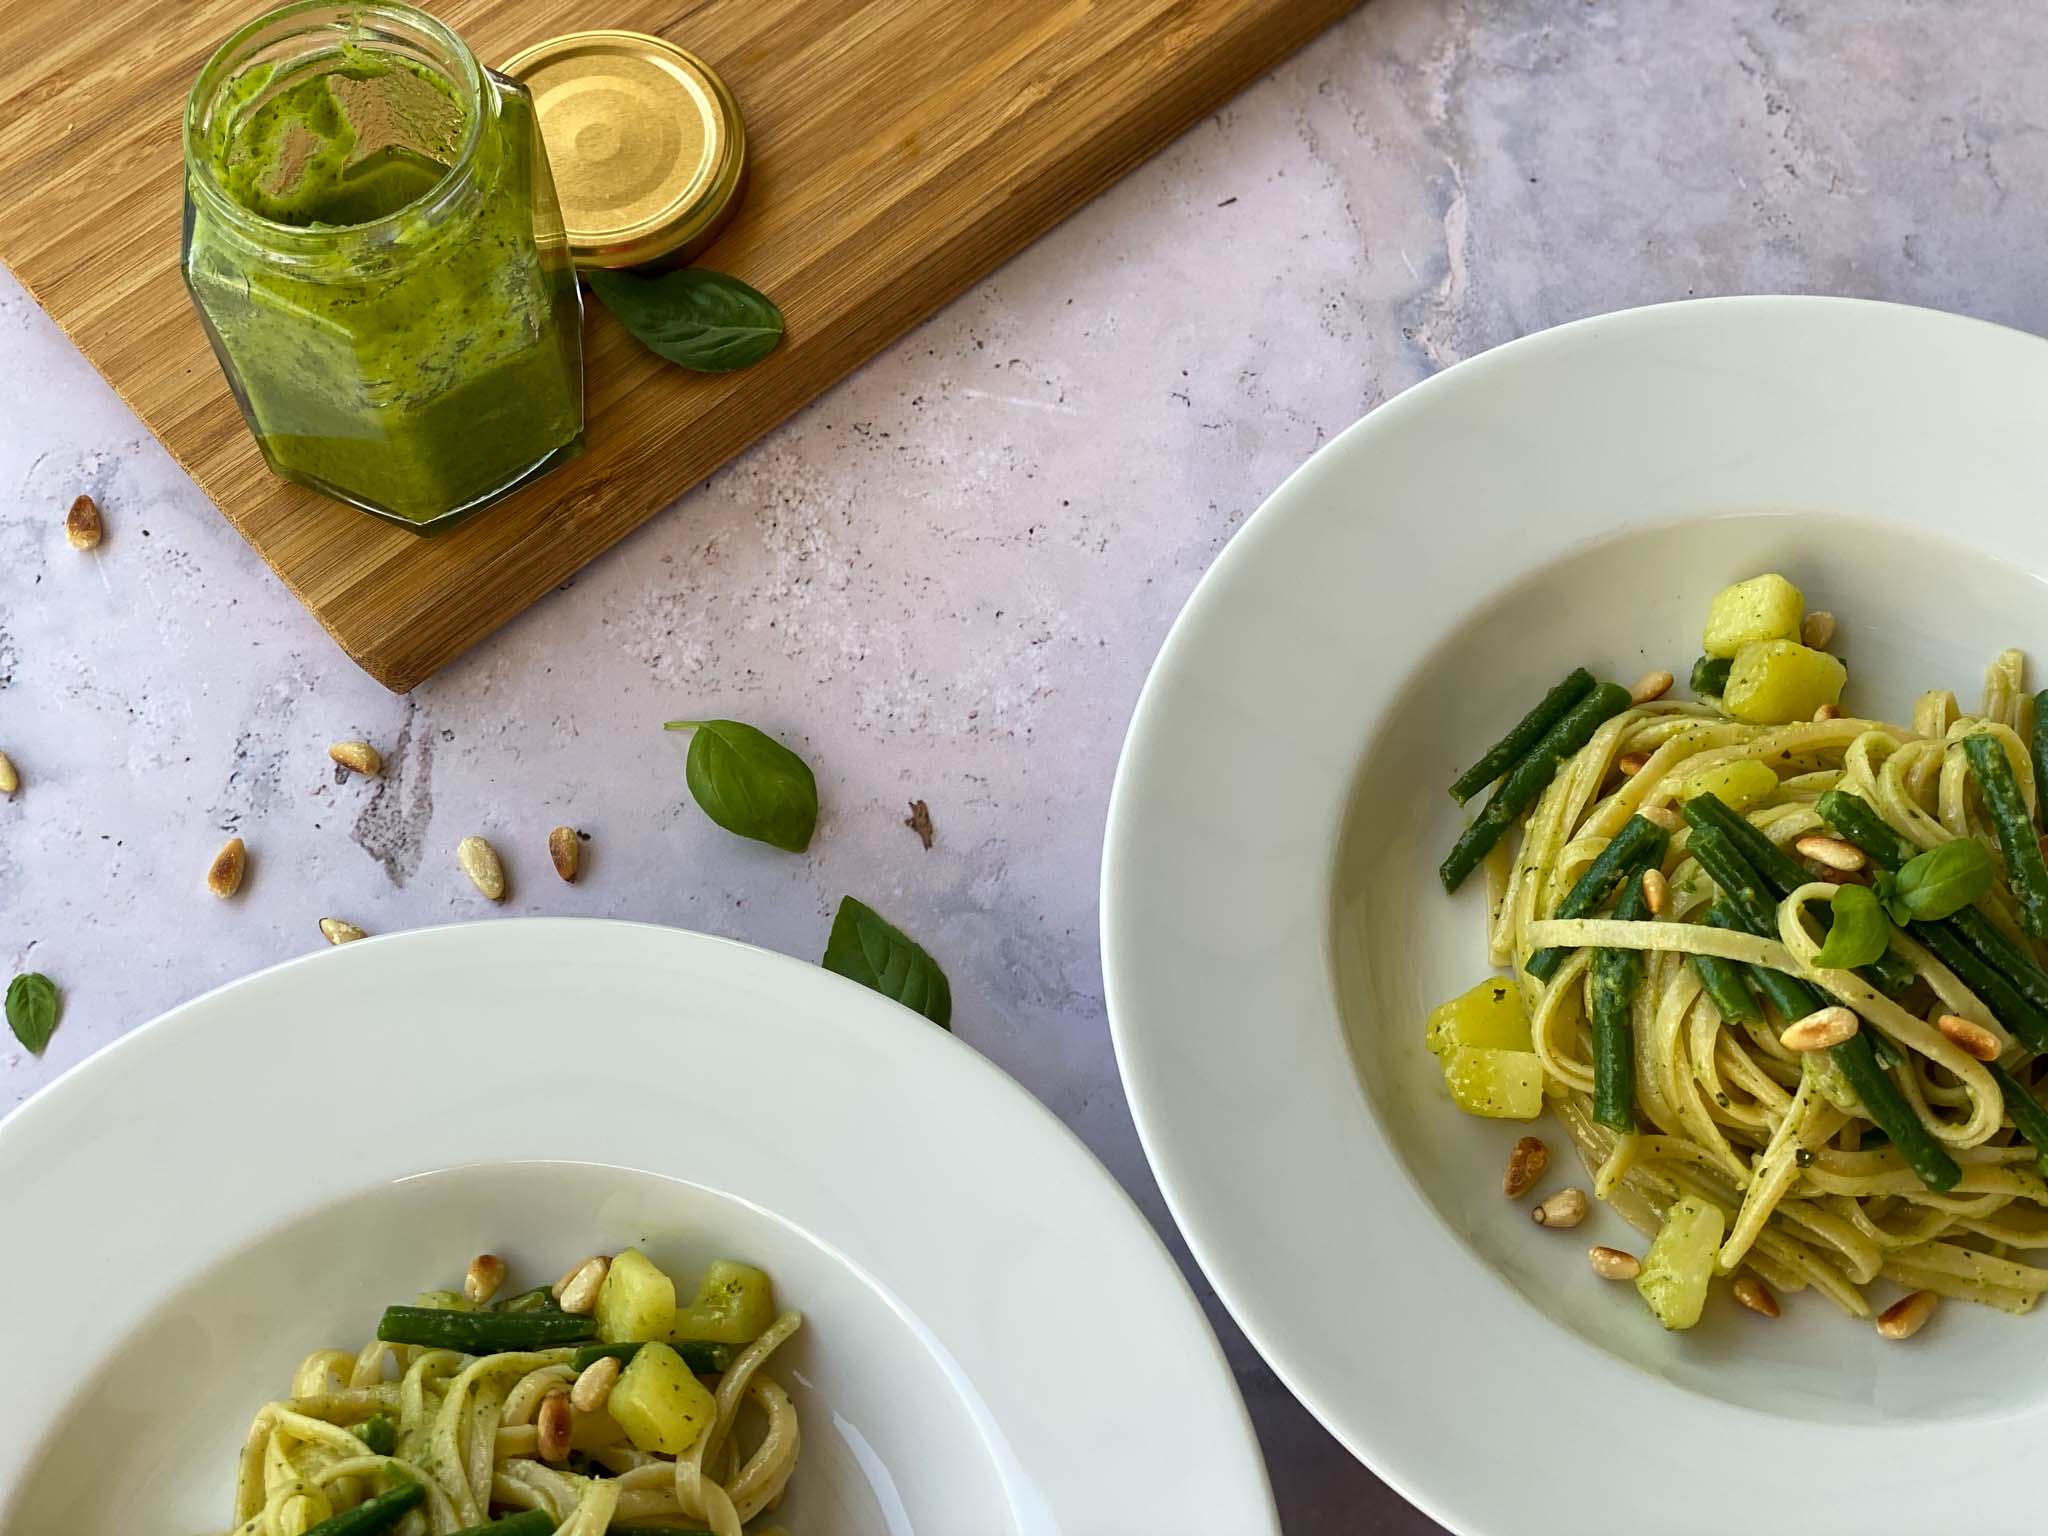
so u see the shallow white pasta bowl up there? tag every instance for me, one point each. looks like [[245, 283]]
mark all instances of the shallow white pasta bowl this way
[[994, 1340], [1274, 934]]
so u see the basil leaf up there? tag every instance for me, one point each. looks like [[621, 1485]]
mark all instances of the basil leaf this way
[[750, 783], [1860, 935], [1886, 888], [1944, 880], [704, 321], [32, 1010], [872, 951]]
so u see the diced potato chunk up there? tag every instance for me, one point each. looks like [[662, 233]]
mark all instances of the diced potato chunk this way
[[1500, 1085], [1738, 785], [1681, 1261], [734, 1305], [1762, 608], [1489, 1015], [637, 1301], [660, 1405], [1773, 681]]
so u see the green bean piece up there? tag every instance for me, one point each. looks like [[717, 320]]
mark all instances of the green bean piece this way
[[701, 1356], [378, 1433], [2025, 1109], [1748, 910], [1511, 748], [372, 1515], [1612, 979], [482, 1333], [1710, 675], [1882, 1101], [2017, 840], [1638, 843], [528, 1522], [1723, 979], [1529, 778], [1855, 820], [2039, 746], [2008, 1005]]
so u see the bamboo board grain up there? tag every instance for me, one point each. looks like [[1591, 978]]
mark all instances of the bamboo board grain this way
[[900, 149]]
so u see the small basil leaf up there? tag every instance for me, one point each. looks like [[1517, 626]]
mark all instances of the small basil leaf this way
[[750, 783], [1860, 934], [867, 948], [704, 321], [1944, 880], [1886, 888], [32, 1010]]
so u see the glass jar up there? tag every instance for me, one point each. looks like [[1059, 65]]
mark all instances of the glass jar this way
[[373, 242]]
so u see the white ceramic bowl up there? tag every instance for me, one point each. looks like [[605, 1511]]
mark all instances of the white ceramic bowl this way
[[1273, 932], [994, 1340]]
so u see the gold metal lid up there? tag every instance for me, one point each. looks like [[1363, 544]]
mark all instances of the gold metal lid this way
[[646, 144]]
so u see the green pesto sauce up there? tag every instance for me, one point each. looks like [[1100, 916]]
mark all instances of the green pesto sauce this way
[[415, 358]]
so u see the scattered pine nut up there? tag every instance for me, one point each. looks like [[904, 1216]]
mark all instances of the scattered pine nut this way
[[1755, 1295], [578, 1289], [358, 757], [82, 524], [337, 930], [1525, 1166], [10, 778], [479, 861], [1656, 891], [1827, 712], [1820, 1030], [486, 1274], [1631, 763], [1906, 1317], [224, 875], [1566, 1208], [1613, 1264], [553, 1422], [1663, 816], [1651, 685], [566, 852], [593, 1388], [1818, 630], [1974, 1039], [1831, 851]]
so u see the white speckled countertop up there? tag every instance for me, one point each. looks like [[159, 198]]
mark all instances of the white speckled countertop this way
[[947, 578]]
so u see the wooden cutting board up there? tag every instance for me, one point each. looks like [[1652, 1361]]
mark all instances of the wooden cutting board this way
[[900, 149]]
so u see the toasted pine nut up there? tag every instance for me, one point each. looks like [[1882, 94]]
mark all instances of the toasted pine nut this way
[[1974, 1038], [554, 1422], [1656, 891], [224, 875], [1906, 1317], [1566, 1208], [1755, 1295], [580, 1286], [1651, 685], [1663, 816], [486, 1274], [1525, 1166], [1831, 851], [82, 525], [1820, 1030], [479, 861], [1818, 630], [1827, 712], [357, 757], [1613, 1264], [10, 780], [1631, 763], [339, 930], [565, 852], [594, 1387]]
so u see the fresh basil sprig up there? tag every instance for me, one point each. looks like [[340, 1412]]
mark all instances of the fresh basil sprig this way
[[869, 949], [1938, 883], [1860, 935], [750, 783], [704, 321], [32, 1010]]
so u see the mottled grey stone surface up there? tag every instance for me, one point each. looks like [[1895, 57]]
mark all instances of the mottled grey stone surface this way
[[947, 578]]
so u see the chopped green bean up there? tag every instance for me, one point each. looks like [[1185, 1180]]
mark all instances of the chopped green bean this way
[[482, 1333], [1612, 979], [372, 1516], [1723, 979], [1882, 1101], [1511, 748], [1710, 675], [2017, 840], [1639, 841], [2025, 1109]]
